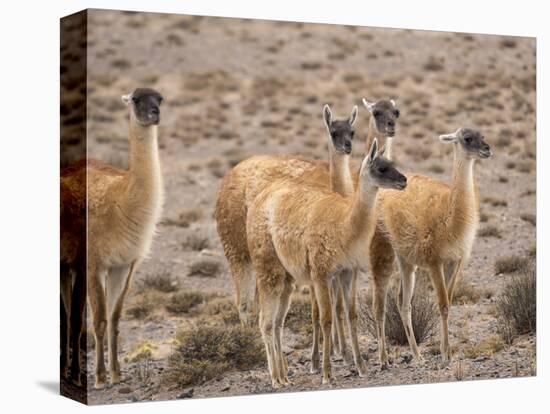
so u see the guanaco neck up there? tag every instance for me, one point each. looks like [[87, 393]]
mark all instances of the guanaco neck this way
[[144, 179], [362, 208], [372, 133], [340, 176], [462, 207]]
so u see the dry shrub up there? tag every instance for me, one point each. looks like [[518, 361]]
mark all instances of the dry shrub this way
[[197, 242], [207, 352], [490, 231], [298, 318], [495, 202], [205, 267], [223, 307], [468, 293], [511, 264], [517, 305], [433, 64], [121, 64], [161, 282], [185, 218], [487, 347], [183, 302], [530, 218], [424, 316], [143, 304], [508, 43], [142, 351]]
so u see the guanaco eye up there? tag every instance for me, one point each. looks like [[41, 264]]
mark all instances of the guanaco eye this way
[[382, 170], [135, 99], [352, 134], [468, 139], [376, 114], [396, 113]]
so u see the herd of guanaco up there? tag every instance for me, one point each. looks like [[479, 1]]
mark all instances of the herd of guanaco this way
[[283, 221]]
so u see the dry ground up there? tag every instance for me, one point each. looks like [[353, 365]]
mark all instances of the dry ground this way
[[234, 88]]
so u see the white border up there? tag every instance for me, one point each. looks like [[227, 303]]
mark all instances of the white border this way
[[29, 203]]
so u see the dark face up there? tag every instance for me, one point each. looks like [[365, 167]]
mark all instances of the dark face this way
[[385, 175], [385, 117], [341, 133], [146, 103], [474, 143]]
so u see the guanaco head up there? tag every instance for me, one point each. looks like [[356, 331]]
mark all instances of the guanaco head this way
[[145, 106], [385, 114], [341, 132], [381, 171], [470, 142]]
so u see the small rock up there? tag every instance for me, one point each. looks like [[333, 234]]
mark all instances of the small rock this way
[[481, 358], [405, 359], [186, 394], [227, 388]]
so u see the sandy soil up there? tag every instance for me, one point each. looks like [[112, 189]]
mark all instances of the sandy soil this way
[[234, 88]]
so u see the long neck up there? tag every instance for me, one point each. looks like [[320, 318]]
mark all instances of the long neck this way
[[340, 176], [462, 206], [362, 208], [145, 181], [373, 133]]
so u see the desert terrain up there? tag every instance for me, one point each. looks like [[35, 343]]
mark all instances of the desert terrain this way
[[235, 88]]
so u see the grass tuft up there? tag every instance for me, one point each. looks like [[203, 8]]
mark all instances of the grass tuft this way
[[487, 347], [511, 264], [425, 316], [517, 305]]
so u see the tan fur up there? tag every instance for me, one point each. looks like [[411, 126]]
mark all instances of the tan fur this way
[[431, 225], [297, 233], [344, 283], [383, 140], [123, 208], [238, 190]]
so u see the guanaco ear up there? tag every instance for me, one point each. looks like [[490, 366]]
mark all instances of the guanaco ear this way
[[448, 138], [353, 116], [382, 151], [373, 151], [127, 98], [393, 103], [327, 116], [368, 105]]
